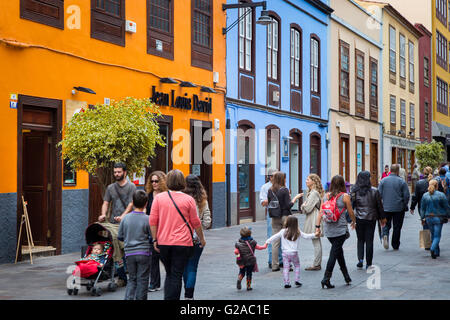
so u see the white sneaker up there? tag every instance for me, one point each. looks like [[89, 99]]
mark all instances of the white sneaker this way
[[385, 242]]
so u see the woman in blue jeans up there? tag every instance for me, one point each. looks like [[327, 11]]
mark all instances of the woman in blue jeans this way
[[195, 189], [434, 212]]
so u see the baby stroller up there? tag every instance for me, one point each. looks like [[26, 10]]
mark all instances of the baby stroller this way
[[96, 233]]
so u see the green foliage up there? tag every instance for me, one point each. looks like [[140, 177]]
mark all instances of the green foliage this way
[[125, 131], [430, 154]]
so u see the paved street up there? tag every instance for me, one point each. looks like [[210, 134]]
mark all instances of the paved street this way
[[406, 274]]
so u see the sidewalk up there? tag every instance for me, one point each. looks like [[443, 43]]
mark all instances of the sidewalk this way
[[406, 274]]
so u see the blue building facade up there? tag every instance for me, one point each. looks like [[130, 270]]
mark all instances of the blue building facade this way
[[277, 100]]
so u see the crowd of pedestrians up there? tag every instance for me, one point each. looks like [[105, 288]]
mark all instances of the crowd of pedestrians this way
[[166, 222]]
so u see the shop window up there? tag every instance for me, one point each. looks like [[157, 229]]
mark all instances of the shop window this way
[[69, 174], [360, 158], [48, 12], [344, 153], [315, 153], [272, 148], [160, 40], [108, 21]]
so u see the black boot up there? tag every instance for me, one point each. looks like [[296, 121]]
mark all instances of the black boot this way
[[189, 293], [326, 280], [346, 275]]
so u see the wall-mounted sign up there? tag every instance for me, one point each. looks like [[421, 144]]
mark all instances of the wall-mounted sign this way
[[13, 100], [169, 100]]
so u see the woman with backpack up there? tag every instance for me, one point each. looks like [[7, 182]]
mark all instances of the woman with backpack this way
[[279, 207], [368, 208], [333, 213], [434, 210]]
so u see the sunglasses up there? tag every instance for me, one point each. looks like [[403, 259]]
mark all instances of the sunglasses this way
[[154, 181]]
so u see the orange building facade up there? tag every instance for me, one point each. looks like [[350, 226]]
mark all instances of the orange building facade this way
[[57, 56]]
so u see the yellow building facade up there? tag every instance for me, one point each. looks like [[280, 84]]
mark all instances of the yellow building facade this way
[[58, 56], [400, 85]]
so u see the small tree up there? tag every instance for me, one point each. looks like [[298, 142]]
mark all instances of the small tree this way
[[430, 154], [125, 131]]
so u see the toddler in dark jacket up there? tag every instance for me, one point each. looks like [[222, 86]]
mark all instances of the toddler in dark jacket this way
[[245, 257]]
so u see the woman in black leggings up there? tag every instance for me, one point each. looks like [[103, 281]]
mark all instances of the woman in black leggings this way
[[337, 232], [368, 208]]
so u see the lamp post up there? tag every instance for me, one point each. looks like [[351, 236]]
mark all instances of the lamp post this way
[[264, 19]]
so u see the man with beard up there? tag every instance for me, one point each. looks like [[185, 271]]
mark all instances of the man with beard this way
[[119, 194]]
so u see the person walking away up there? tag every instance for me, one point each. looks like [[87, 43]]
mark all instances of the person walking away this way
[[368, 208], [402, 174], [156, 183], [442, 187], [290, 239], [195, 189], [415, 176], [386, 172], [264, 202], [395, 195], [245, 257], [435, 212], [311, 208], [279, 194], [336, 232], [134, 230], [172, 220], [118, 199], [421, 189]]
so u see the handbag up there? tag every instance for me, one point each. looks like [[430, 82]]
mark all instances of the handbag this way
[[425, 239], [255, 268], [191, 249], [274, 207]]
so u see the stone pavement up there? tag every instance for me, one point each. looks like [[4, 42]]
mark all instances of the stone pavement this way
[[406, 274]]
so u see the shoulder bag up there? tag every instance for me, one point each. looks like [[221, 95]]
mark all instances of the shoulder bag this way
[[191, 249]]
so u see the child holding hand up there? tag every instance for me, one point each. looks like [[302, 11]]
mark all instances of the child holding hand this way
[[290, 238], [245, 257]]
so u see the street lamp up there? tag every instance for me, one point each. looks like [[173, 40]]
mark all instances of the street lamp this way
[[264, 19]]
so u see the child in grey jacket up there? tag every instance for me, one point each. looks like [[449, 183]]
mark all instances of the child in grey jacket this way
[[134, 231]]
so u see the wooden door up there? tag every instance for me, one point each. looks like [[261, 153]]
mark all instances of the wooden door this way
[[374, 163], [37, 183], [95, 199], [344, 157]]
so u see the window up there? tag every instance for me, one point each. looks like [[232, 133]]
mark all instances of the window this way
[[272, 50], [202, 35], [441, 11], [442, 96], [393, 110], [426, 71], [359, 76], [411, 66], [427, 117], [108, 21], [315, 65], [441, 50], [412, 117], [48, 12], [402, 56], [295, 57], [344, 78], [160, 28], [272, 147], [402, 113], [246, 39], [373, 89], [392, 50]]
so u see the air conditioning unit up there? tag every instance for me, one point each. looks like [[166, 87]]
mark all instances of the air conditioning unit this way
[[276, 96]]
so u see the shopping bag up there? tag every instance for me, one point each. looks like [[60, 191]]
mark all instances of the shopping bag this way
[[425, 239]]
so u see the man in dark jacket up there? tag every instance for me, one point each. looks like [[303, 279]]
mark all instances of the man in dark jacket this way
[[395, 194]]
